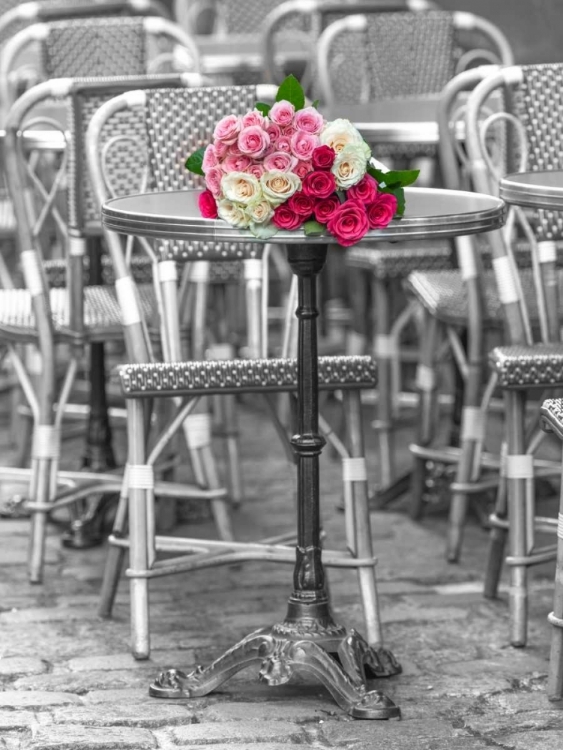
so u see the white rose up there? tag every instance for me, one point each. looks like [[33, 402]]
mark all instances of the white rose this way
[[340, 133], [233, 213], [350, 165], [279, 186], [241, 187], [260, 212]]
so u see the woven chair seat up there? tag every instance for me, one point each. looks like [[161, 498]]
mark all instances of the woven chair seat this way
[[552, 415], [520, 366], [443, 294], [102, 316], [392, 260], [250, 375]]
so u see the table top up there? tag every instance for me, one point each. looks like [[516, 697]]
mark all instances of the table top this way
[[43, 140], [393, 120], [430, 213], [542, 189]]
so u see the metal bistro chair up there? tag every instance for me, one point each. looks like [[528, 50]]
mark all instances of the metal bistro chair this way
[[359, 59], [171, 112], [73, 314]]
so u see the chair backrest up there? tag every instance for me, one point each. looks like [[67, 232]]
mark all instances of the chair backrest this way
[[532, 126], [303, 21], [98, 47], [399, 55]]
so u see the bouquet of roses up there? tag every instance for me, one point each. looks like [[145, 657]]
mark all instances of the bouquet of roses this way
[[284, 167]]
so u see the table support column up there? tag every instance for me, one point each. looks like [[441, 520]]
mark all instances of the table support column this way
[[308, 641]]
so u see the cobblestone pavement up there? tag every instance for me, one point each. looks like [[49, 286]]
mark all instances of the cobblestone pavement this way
[[68, 681]]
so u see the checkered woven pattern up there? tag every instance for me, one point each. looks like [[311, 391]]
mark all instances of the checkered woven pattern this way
[[95, 47], [246, 16], [179, 121], [538, 103], [518, 366]]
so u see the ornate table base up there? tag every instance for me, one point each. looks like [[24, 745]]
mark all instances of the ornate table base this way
[[304, 643]]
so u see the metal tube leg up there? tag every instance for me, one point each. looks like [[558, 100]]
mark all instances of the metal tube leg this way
[[115, 557], [38, 530], [555, 677], [498, 535], [359, 540], [384, 347]]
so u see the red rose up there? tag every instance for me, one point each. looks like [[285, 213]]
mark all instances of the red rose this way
[[325, 208], [301, 204], [285, 218], [364, 191], [319, 184], [382, 210], [323, 157], [207, 205], [349, 223]]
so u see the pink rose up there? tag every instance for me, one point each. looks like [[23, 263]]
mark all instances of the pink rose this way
[[209, 158], [221, 149], [301, 204], [254, 118], [283, 143], [303, 168], [319, 184], [382, 210], [274, 131], [289, 130], [207, 205], [349, 223], [213, 181], [285, 218], [323, 157], [309, 120], [236, 163], [303, 144], [256, 169], [282, 113], [280, 161], [227, 129], [253, 141], [325, 208], [364, 191]]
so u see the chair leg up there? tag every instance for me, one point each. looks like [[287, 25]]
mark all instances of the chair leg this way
[[115, 557], [497, 537], [39, 497], [555, 677]]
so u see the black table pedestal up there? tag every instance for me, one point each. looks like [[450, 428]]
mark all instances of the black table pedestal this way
[[308, 640]]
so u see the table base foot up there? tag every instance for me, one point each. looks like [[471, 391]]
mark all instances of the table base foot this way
[[341, 664]]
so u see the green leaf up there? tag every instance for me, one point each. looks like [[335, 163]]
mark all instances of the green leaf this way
[[263, 231], [263, 108], [291, 91], [315, 104], [313, 228], [195, 161], [394, 178]]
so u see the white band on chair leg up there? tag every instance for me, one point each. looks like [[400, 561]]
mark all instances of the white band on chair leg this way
[[199, 271], [140, 476], [472, 423], [547, 251], [252, 269], [198, 432], [560, 525], [127, 299], [466, 258], [354, 469], [425, 378], [32, 272], [520, 466], [46, 442], [385, 347], [507, 290], [167, 271]]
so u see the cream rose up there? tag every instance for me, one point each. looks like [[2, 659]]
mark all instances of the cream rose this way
[[260, 212], [340, 133], [279, 186], [350, 165], [241, 187], [233, 213]]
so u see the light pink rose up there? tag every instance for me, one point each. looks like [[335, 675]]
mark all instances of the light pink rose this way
[[253, 141], [283, 143], [209, 158], [303, 168], [236, 163], [256, 169], [227, 129], [282, 113], [309, 120], [254, 118], [281, 161], [233, 150], [213, 181], [289, 130], [221, 149], [273, 130], [303, 144]]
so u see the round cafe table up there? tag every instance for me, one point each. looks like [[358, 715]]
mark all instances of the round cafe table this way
[[308, 640], [542, 189]]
